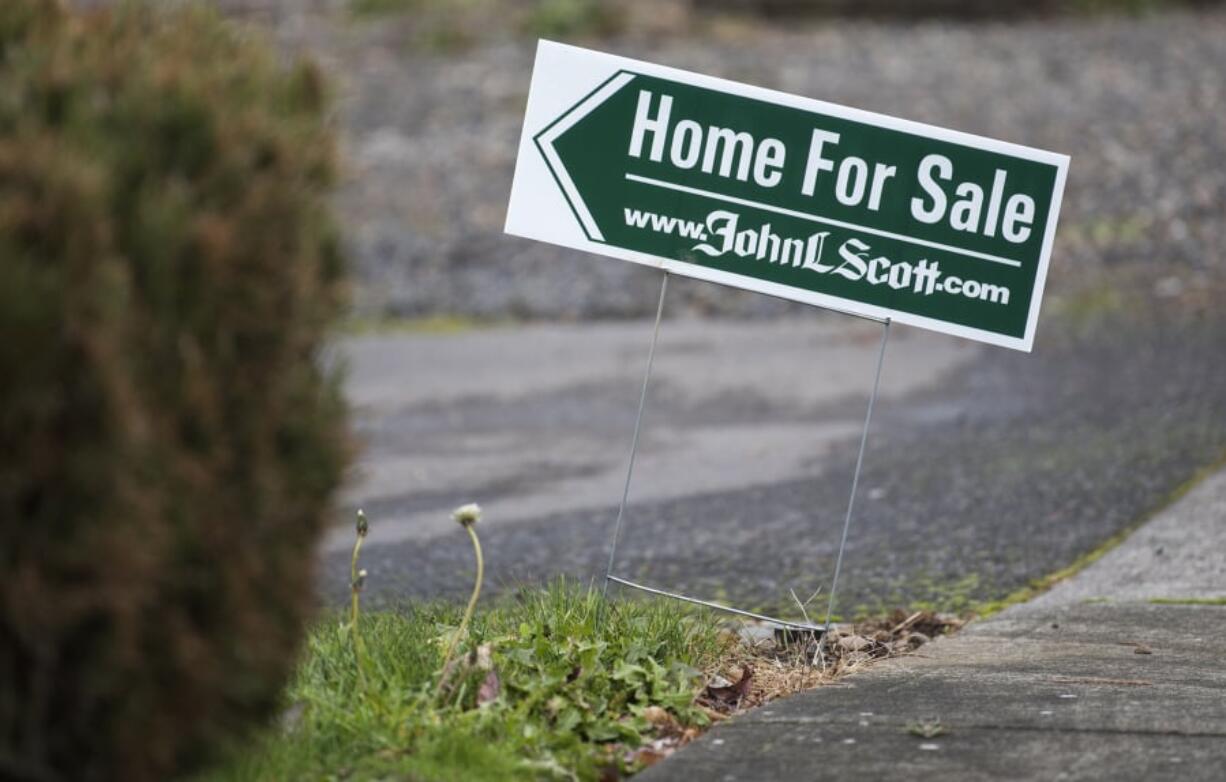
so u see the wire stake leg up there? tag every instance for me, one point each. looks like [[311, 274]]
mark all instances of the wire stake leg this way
[[855, 482], [634, 442]]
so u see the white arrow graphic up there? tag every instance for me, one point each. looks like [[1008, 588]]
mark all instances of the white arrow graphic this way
[[546, 138]]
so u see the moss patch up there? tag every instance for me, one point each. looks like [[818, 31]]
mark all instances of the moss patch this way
[[1041, 585]]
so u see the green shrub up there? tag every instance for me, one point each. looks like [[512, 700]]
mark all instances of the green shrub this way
[[170, 440]]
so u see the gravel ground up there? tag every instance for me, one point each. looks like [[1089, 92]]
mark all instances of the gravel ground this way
[[430, 130], [1139, 104]]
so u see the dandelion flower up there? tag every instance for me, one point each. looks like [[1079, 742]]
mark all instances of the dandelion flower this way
[[467, 515]]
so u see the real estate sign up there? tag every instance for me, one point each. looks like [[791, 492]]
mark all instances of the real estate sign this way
[[786, 196]]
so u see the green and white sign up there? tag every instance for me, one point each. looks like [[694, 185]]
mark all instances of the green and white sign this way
[[786, 196]]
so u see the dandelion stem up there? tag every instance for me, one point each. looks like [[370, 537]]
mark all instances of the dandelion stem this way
[[357, 580], [472, 601], [354, 586]]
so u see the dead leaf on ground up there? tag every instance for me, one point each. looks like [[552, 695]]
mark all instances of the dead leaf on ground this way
[[733, 694], [1137, 647], [667, 726], [854, 643], [654, 751], [647, 756], [712, 714], [656, 715]]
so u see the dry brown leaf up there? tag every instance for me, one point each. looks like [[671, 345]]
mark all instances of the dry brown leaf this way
[[712, 714], [733, 694], [657, 716], [648, 756]]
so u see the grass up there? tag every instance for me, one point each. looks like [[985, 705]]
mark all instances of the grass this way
[[542, 691], [547, 683], [446, 25], [360, 326]]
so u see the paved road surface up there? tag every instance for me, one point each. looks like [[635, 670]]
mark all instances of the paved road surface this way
[[538, 420], [986, 467]]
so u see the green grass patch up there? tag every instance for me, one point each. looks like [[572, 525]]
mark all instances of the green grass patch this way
[[450, 25], [570, 691], [383, 7], [1189, 601]]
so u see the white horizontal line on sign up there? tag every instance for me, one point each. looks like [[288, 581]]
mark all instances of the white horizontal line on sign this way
[[816, 219]]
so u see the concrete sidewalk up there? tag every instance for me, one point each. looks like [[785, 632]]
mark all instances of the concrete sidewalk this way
[[1118, 673]]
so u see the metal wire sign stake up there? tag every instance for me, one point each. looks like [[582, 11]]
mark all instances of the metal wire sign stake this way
[[824, 628], [860, 213]]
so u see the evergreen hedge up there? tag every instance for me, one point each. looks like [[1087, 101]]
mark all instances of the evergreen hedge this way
[[169, 438]]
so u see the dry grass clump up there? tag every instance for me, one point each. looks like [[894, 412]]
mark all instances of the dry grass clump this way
[[758, 670]]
